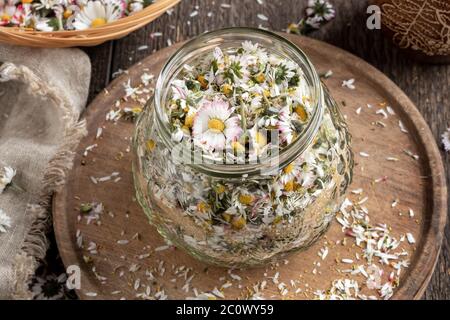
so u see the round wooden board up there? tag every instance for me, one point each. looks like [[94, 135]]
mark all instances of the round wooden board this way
[[418, 184]]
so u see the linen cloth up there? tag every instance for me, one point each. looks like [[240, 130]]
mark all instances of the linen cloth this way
[[42, 93]]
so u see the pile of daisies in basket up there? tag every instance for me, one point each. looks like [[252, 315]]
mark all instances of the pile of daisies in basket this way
[[54, 15]]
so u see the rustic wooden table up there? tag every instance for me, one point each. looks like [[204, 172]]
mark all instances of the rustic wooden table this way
[[427, 85]]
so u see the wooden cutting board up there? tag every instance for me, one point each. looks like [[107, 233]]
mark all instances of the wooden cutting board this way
[[110, 270]]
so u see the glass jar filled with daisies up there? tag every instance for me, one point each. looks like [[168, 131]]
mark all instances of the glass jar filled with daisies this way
[[241, 155]]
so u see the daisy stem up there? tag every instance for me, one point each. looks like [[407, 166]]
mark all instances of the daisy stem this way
[[266, 101]]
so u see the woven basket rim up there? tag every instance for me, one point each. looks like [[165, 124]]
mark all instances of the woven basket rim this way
[[88, 37], [159, 5]]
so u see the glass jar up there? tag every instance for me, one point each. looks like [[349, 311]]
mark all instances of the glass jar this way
[[256, 221]]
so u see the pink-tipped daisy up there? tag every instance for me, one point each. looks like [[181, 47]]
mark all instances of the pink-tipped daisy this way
[[213, 126], [10, 14]]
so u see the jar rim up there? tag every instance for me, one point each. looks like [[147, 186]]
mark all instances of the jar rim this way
[[288, 153]]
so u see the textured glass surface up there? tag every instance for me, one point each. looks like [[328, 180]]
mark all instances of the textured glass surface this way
[[274, 223]]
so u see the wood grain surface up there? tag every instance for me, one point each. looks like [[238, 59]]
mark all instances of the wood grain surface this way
[[428, 86], [419, 184]]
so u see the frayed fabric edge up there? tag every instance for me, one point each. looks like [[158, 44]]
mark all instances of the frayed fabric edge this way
[[35, 244]]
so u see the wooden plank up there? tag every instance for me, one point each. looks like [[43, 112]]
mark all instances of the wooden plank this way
[[101, 57]]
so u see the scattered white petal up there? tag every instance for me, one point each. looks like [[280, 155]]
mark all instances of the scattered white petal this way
[[382, 112], [161, 248], [91, 294], [349, 261], [262, 17], [328, 74], [349, 83], [364, 154], [402, 126], [390, 110], [410, 238], [323, 253], [411, 154], [446, 140]]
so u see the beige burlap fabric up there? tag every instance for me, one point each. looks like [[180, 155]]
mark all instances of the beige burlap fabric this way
[[42, 93]]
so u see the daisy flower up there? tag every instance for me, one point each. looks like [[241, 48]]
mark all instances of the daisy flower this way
[[318, 12], [249, 46], [6, 176], [11, 14], [5, 221], [96, 14], [290, 172], [321, 9], [213, 126], [50, 287]]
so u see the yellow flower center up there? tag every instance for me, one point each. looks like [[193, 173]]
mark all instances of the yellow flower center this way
[[260, 139], [226, 89], [216, 125], [150, 145], [238, 147], [227, 217], [288, 169], [98, 22], [260, 78], [290, 186], [66, 13], [186, 130], [136, 110], [301, 112], [277, 219], [238, 222], [189, 121], [220, 188], [203, 207], [246, 199], [203, 82], [6, 17]]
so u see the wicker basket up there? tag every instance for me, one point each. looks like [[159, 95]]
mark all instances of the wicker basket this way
[[89, 37]]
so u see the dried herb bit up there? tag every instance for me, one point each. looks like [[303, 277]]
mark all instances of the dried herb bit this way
[[85, 207]]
